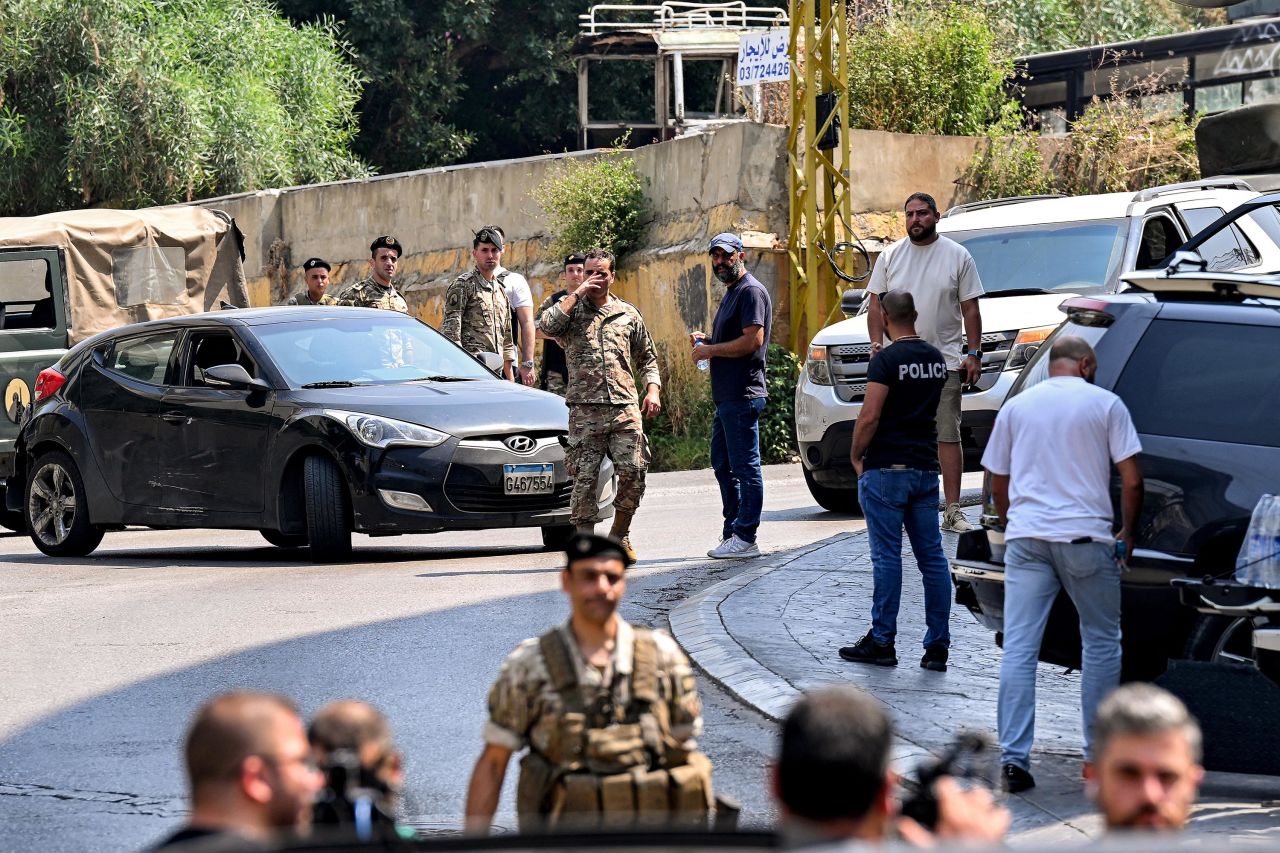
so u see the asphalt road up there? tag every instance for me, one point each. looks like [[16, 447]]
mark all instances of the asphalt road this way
[[104, 659]]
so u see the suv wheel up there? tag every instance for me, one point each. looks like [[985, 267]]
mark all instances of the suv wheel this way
[[326, 495], [833, 500], [1221, 639], [56, 508]]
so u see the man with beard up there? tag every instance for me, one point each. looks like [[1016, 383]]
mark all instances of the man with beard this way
[[737, 350], [477, 315], [1146, 766], [1050, 459], [606, 346], [941, 276], [251, 773], [608, 710], [378, 291]]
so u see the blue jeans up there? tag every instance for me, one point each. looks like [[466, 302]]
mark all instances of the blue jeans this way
[[894, 498], [1034, 572], [735, 457]]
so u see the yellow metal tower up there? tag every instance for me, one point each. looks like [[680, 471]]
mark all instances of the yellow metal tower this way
[[818, 161]]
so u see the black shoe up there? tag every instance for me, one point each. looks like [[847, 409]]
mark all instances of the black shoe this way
[[867, 650], [935, 659], [1015, 779]]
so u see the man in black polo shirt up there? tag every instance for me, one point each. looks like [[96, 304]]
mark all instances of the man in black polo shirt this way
[[555, 370], [737, 347], [895, 456]]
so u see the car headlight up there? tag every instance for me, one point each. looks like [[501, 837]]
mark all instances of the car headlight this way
[[817, 366], [377, 431], [1026, 345]]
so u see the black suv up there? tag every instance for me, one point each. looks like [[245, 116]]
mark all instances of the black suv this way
[[1196, 358]]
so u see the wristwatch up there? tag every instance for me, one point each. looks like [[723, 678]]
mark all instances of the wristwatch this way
[[976, 353], [527, 365]]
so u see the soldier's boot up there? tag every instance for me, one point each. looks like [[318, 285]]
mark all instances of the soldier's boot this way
[[621, 531]]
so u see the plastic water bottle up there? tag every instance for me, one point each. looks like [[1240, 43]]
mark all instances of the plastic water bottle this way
[[704, 363], [1259, 560]]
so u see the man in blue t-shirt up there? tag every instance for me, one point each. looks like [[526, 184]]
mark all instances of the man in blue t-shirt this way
[[737, 347], [895, 456]]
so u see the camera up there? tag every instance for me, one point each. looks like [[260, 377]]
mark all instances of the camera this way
[[353, 799], [962, 759]]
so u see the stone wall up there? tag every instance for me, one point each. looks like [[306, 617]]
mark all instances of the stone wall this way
[[734, 179]]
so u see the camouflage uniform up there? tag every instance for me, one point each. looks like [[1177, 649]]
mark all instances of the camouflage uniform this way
[[602, 345], [304, 298], [370, 293], [527, 710], [550, 378], [477, 315]]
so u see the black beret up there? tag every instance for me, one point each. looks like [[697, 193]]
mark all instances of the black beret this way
[[387, 242], [584, 545], [575, 258], [490, 234], [311, 263]]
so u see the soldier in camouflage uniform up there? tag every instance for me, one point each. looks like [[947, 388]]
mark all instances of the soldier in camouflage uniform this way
[[377, 291], [315, 272], [554, 376], [605, 342], [609, 712], [477, 315]]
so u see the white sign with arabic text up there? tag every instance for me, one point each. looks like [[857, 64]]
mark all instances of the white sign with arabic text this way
[[762, 58]]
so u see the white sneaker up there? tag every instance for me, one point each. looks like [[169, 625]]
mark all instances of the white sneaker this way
[[734, 548], [954, 521]]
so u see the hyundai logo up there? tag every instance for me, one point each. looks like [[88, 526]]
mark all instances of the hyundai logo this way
[[520, 444]]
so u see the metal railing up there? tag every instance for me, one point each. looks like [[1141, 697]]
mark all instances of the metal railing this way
[[679, 15]]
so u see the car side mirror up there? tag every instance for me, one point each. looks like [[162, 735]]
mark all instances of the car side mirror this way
[[236, 376], [1185, 261], [492, 360], [851, 302]]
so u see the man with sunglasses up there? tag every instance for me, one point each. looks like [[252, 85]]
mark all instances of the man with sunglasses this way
[[608, 711]]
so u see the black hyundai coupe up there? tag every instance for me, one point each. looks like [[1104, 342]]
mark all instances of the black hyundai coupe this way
[[303, 423]]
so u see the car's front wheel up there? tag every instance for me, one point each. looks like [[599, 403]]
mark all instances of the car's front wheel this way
[[556, 536], [284, 540], [57, 513], [833, 500], [328, 532]]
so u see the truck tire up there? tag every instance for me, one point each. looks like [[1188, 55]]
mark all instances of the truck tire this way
[[57, 512], [834, 500], [328, 532]]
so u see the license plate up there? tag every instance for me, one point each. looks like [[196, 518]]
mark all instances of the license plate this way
[[528, 479]]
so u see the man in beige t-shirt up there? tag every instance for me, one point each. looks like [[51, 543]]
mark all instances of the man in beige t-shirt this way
[[941, 276]]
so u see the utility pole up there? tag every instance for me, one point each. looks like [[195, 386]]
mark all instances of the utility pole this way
[[817, 160]]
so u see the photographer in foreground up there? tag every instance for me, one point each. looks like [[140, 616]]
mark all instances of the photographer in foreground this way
[[833, 783], [364, 771]]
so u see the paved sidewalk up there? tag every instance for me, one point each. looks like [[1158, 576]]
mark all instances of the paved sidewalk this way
[[773, 631]]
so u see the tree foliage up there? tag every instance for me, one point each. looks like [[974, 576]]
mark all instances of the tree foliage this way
[[136, 102], [594, 203], [1049, 25]]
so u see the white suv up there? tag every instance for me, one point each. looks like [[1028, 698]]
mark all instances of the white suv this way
[[1032, 252]]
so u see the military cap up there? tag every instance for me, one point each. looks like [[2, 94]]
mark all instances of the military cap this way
[[726, 240], [387, 242], [575, 258], [583, 546], [311, 263], [490, 234]]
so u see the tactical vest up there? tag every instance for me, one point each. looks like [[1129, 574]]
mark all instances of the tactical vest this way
[[612, 761]]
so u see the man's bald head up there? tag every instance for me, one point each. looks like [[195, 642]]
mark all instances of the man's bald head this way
[[899, 306], [228, 729], [1072, 356]]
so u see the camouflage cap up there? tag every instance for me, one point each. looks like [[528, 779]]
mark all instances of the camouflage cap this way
[[387, 242], [583, 546], [311, 263]]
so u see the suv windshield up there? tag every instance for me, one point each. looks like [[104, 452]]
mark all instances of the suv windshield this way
[[365, 351], [1066, 257]]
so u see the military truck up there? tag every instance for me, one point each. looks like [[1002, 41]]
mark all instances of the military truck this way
[[67, 276]]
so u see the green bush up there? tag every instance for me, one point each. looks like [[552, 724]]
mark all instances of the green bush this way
[[1049, 25], [134, 102], [593, 203], [936, 71], [777, 423]]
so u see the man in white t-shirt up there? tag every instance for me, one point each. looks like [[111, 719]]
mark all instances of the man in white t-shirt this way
[[522, 328], [941, 276], [1050, 459]]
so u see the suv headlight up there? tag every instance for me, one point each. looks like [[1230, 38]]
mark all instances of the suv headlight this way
[[818, 367], [1026, 345], [377, 431]]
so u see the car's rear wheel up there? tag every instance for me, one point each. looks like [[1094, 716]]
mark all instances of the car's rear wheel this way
[[284, 540], [328, 532], [556, 536], [834, 500], [1221, 639], [57, 514]]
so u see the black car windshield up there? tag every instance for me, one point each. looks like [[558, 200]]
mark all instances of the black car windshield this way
[[365, 351], [1064, 257]]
